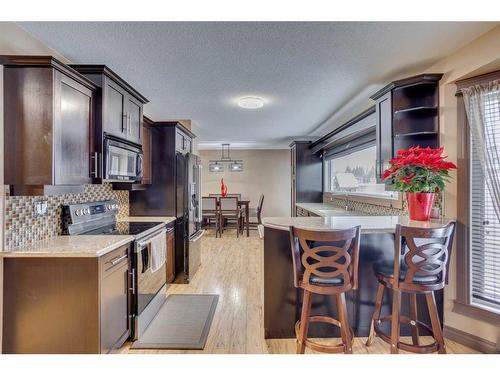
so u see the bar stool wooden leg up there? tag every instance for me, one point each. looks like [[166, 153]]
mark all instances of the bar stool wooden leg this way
[[304, 322], [345, 331], [376, 313], [396, 307], [413, 316], [436, 324]]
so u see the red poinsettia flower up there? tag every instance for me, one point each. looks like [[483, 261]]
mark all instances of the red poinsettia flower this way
[[419, 169]]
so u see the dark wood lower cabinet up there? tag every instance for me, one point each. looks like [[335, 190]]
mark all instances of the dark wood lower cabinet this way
[[282, 301], [66, 305], [170, 254]]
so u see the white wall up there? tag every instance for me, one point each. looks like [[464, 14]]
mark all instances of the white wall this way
[[264, 172]]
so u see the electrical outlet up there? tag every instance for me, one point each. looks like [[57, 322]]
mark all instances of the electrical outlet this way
[[41, 208]]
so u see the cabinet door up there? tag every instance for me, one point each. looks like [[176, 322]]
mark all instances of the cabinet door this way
[[114, 305], [146, 150], [114, 107], [188, 144], [72, 131], [179, 141], [384, 133], [170, 255], [134, 112]]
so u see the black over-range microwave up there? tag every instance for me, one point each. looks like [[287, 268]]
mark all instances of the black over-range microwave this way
[[122, 160]]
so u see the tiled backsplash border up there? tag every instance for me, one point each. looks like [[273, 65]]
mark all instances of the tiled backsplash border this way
[[22, 228], [374, 209]]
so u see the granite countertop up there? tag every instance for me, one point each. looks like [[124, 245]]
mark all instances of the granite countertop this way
[[165, 219], [369, 224], [70, 246], [325, 209]]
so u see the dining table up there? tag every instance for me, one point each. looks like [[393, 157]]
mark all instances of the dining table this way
[[246, 204]]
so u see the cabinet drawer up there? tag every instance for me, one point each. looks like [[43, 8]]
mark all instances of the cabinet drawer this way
[[115, 258]]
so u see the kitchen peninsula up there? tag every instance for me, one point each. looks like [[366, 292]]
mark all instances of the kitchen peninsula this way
[[282, 301]]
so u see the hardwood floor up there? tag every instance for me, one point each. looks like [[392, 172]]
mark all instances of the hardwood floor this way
[[232, 267]]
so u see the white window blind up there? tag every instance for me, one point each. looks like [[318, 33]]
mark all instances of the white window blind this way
[[484, 223]]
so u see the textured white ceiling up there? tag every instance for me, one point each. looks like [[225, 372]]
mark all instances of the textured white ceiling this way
[[305, 71]]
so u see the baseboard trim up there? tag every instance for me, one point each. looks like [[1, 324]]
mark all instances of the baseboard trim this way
[[474, 342]]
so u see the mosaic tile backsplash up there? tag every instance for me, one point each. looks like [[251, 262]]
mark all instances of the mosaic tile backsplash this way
[[22, 228]]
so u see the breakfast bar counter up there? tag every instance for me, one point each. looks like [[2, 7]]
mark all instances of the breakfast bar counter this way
[[282, 301]]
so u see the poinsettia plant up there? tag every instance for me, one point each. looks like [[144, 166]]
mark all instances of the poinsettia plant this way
[[419, 170]]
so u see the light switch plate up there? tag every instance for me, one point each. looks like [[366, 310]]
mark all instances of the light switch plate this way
[[41, 208]]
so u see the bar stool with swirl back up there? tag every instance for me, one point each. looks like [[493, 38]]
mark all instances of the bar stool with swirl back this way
[[326, 263], [422, 260]]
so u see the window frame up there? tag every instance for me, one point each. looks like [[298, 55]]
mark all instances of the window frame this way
[[373, 199], [462, 303]]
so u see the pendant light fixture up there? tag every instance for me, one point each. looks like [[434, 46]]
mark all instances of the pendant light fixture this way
[[218, 165]]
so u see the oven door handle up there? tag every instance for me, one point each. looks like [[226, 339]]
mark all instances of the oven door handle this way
[[143, 243]]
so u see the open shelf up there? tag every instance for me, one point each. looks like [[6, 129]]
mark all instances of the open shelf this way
[[421, 110], [415, 134]]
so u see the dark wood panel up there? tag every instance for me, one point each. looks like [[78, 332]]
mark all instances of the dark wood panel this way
[[282, 300], [51, 305], [146, 150], [307, 175], [28, 111], [170, 256]]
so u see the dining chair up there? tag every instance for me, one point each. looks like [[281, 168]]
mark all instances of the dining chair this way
[[230, 211], [256, 214], [210, 211]]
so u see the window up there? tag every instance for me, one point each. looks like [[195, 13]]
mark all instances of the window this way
[[484, 223], [478, 227], [354, 174]]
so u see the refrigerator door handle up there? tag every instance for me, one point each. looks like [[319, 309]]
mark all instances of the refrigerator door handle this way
[[197, 236]]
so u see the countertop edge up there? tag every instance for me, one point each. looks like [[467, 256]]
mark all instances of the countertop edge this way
[[68, 254]]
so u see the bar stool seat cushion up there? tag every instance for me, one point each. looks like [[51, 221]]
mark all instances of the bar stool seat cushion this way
[[386, 268], [326, 281]]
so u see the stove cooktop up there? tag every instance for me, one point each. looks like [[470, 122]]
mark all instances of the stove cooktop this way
[[126, 228]]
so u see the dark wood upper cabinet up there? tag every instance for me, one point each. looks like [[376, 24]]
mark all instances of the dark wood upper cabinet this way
[[147, 177], [49, 124], [307, 175], [407, 113], [120, 106]]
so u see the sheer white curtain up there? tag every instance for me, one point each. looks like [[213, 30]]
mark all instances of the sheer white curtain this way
[[482, 104]]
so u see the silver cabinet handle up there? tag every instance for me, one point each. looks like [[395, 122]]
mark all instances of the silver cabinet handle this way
[[94, 173], [132, 274], [119, 259], [125, 123], [129, 124]]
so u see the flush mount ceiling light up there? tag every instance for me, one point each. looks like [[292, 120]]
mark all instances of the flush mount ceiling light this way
[[251, 102]]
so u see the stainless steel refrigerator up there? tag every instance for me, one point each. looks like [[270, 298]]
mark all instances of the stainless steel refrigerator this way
[[188, 220]]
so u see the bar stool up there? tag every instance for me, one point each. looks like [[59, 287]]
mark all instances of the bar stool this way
[[418, 269], [327, 265]]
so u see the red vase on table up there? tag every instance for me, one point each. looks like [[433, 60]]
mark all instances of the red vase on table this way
[[223, 188], [420, 205]]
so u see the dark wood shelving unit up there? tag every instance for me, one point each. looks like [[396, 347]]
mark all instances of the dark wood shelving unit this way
[[407, 115]]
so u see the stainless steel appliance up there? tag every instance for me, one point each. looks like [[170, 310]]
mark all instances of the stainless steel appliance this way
[[146, 288], [174, 191], [188, 224], [122, 160]]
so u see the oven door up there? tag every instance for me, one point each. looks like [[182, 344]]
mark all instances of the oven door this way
[[123, 161], [148, 283]]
